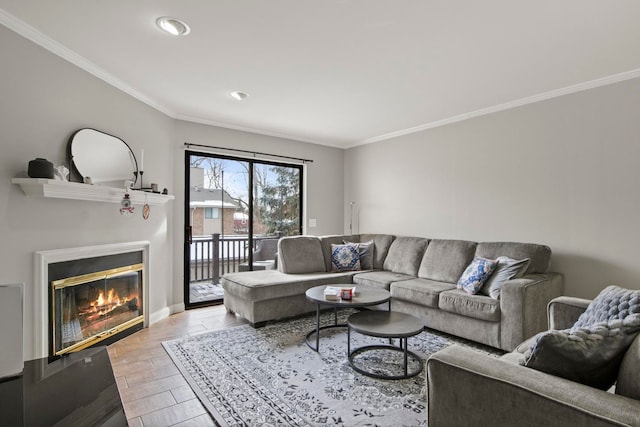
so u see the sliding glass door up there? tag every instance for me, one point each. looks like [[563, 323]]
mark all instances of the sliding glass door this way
[[235, 212]]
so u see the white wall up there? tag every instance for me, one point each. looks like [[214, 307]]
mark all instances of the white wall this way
[[563, 172], [43, 100], [324, 178]]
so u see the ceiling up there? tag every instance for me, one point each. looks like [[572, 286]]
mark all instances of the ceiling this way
[[340, 72]]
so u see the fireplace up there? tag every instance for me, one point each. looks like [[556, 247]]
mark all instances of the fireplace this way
[[88, 296], [91, 308]]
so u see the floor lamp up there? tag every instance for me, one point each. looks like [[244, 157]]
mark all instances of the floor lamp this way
[[351, 218]]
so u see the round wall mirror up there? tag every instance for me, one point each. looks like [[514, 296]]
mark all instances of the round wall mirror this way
[[102, 157]]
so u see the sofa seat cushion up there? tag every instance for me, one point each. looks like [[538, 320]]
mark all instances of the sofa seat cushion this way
[[419, 291], [379, 279], [475, 306], [269, 284]]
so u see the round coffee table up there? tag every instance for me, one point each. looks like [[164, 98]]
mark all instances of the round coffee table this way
[[385, 324], [364, 296]]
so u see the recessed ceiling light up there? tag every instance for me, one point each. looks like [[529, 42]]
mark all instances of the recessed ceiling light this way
[[238, 95], [173, 26]]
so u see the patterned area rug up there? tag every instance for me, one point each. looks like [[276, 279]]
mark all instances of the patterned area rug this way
[[268, 376]]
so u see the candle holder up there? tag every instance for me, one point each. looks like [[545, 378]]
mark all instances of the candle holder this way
[[139, 173]]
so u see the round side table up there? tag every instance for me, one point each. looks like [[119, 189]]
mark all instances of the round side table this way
[[365, 296], [385, 324]]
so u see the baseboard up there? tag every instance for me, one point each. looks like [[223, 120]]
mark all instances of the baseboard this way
[[156, 316], [165, 312], [177, 308]]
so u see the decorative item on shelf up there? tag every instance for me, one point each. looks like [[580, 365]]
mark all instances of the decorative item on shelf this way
[[141, 168], [88, 180], [107, 159], [139, 174], [154, 187], [61, 173], [165, 191], [126, 207], [40, 168]]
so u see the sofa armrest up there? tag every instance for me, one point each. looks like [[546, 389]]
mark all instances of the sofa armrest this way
[[564, 311], [523, 306], [468, 388]]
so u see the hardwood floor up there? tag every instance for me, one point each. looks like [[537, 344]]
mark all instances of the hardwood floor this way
[[153, 392]]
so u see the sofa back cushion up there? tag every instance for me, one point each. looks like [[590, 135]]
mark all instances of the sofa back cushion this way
[[300, 254], [446, 260], [405, 254], [381, 244], [628, 384], [539, 255], [327, 241]]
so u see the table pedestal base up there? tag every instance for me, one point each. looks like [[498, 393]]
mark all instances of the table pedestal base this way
[[407, 354]]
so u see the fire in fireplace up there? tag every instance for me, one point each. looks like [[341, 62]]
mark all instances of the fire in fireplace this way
[[90, 308]]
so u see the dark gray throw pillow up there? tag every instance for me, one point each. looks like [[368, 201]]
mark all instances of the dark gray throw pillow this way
[[589, 356]]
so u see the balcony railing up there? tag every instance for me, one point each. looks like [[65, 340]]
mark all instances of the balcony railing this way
[[212, 257]]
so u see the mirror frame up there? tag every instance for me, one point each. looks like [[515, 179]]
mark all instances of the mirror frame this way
[[73, 168]]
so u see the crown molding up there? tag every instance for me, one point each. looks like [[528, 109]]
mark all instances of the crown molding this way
[[30, 33], [56, 48], [591, 84], [257, 131]]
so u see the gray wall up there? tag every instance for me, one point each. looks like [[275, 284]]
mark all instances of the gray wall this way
[[324, 179], [563, 172], [44, 100]]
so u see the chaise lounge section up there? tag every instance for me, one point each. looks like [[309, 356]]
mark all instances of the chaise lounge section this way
[[421, 275]]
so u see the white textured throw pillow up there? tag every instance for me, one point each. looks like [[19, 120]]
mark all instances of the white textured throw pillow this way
[[507, 269], [613, 302]]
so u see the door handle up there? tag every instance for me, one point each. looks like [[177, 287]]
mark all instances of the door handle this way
[[189, 234]]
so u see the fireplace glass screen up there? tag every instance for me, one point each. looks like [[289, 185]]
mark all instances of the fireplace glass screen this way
[[89, 308]]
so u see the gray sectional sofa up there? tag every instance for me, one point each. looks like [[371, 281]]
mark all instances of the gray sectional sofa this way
[[421, 275]]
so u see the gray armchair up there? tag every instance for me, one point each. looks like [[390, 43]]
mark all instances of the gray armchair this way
[[466, 388]]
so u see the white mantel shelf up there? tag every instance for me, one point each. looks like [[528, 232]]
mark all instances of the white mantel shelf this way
[[41, 187]]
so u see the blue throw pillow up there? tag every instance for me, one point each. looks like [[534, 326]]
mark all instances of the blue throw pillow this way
[[476, 274], [365, 249], [345, 257]]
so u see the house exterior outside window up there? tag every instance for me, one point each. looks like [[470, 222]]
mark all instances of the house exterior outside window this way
[[211, 213]]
